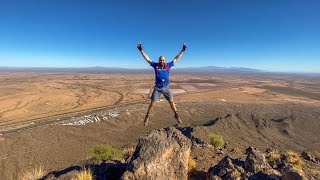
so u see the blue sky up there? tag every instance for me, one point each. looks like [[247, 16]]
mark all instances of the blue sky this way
[[275, 35]]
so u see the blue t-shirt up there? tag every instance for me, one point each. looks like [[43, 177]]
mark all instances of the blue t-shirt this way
[[162, 75]]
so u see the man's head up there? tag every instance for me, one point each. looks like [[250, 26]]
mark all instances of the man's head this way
[[162, 60]]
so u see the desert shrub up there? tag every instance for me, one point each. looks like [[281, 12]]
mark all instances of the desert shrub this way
[[106, 152], [128, 152], [85, 174], [216, 140], [275, 157], [35, 173], [191, 165], [295, 159]]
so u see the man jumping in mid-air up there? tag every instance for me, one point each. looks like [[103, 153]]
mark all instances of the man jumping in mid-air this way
[[162, 82]]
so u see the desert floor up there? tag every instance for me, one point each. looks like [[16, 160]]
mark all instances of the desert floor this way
[[55, 119]]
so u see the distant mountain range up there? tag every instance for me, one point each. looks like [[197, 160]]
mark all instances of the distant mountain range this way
[[106, 69], [100, 69], [216, 69]]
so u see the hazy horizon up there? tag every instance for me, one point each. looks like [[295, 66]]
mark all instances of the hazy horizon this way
[[146, 68]]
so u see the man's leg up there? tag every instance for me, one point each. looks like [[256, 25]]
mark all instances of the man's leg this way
[[151, 105], [154, 98], [174, 109], [173, 105], [168, 95], [146, 119]]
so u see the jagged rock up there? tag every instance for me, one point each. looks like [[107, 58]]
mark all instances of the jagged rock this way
[[309, 157], [69, 175], [109, 170], [283, 161], [289, 173], [163, 154], [212, 177], [227, 168], [263, 176], [256, 162]]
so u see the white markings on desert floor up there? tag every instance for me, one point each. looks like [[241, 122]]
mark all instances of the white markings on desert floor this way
[[97, 117], [206, 84], [223, 100], [83, 120]]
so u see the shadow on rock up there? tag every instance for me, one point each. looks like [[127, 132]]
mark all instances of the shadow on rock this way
[[105, 170]]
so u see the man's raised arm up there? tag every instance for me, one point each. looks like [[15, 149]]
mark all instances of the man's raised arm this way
[[176, 59], [145, 56]]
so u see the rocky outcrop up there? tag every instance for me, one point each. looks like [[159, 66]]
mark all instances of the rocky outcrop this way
[[163, 154], [227, 168], [255, 167], [309, 157], [256, 162]]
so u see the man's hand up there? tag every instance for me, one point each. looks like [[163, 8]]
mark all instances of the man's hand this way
[[176, 59], [144, 54], [139, 46], [184, 47]]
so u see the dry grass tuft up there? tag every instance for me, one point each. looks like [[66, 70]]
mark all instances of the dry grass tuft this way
[[275, 157], [191, 165], [128, 152], [295, 159], [85, 174], [33, 174]]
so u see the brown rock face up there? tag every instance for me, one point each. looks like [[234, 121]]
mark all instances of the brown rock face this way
[[163, 154]]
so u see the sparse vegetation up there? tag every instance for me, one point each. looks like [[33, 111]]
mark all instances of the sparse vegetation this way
[[35, 173], [128, 152], [296, 160], [191, 165], [216, 140], [85, 174], [275, 157], [106, 152]]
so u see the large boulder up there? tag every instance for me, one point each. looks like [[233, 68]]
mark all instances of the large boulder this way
[[163, 154]]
